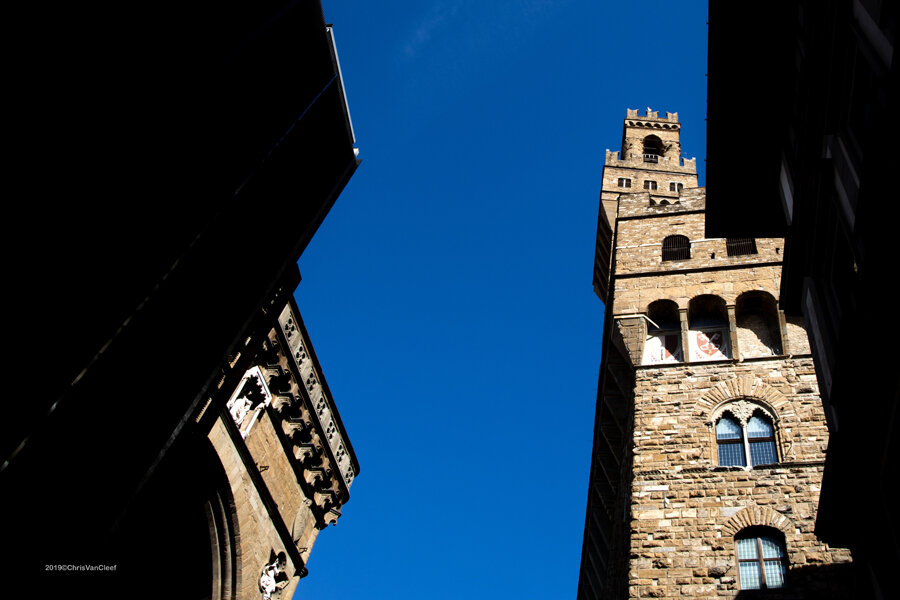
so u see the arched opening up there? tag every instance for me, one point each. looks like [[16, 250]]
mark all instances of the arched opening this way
[[663, 344], [182, 528], [653, 149], [762, 558], [708, 323], [676, 247], [745, 435], [730, 442], [758, 330]]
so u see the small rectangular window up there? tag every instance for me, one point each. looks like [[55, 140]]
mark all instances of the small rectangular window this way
[[675, 187], [740, 246], [649, 185], [624, 182]]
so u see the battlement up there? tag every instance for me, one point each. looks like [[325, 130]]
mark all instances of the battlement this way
[[651, 115], [675, 163]]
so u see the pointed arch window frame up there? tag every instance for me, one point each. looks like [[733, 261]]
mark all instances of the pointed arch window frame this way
[[756, 448]]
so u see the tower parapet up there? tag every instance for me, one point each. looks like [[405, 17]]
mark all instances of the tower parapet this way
[[707, 404], [652, 142], [633, 113]]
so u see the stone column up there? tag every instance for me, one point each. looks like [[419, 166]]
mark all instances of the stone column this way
[[732, 331], [782, 330], [685, 348]]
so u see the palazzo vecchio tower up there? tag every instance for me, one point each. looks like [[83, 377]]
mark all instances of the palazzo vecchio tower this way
[[709, 435]]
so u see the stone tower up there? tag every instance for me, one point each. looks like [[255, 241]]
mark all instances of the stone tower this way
[[709, 436]]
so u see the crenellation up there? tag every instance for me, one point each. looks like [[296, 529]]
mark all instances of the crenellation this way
[[707, 350]]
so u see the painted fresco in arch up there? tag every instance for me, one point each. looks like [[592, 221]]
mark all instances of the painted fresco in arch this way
[[663, 348], [709, 344]]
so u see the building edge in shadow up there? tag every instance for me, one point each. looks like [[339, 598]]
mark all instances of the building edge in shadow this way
[[817, 99], [172, 162]]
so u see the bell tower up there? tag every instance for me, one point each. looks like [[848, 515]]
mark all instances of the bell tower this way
[[709, 433]]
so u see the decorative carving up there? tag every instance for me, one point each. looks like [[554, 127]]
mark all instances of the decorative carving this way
[[273, 578], [290, 328], [307, 375], [742, 411], [251, 395]]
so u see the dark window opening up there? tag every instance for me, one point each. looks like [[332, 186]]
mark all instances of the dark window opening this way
[[649, 185], [624, 182], [676, 187], [740, 246], [653, 149], [676, 247]]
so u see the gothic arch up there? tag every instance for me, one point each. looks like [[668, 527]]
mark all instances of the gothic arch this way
[[742, 396], [746, 387], [758, 515], [742, 409]]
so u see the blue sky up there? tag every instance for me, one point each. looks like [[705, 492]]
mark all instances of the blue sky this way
[[448, 293]]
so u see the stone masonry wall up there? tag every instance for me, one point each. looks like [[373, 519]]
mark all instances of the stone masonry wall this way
[[281, 481], [257, 534], [686, 510], [683, 510]]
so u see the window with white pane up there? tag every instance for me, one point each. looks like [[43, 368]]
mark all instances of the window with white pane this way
[[745, 435], [761, 558]]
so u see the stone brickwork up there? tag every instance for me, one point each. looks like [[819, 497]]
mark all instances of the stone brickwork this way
[[288, 462], [705, 341]]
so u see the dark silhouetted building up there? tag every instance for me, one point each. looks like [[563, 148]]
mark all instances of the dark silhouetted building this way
[[809, 90], [170, 163]]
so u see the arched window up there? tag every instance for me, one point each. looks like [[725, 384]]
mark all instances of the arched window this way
[[762, 558], [663, 343], [730, 440], [676, 247], [761, 440], [709, 335], [757, 326], [653, 149], [751, 442]]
